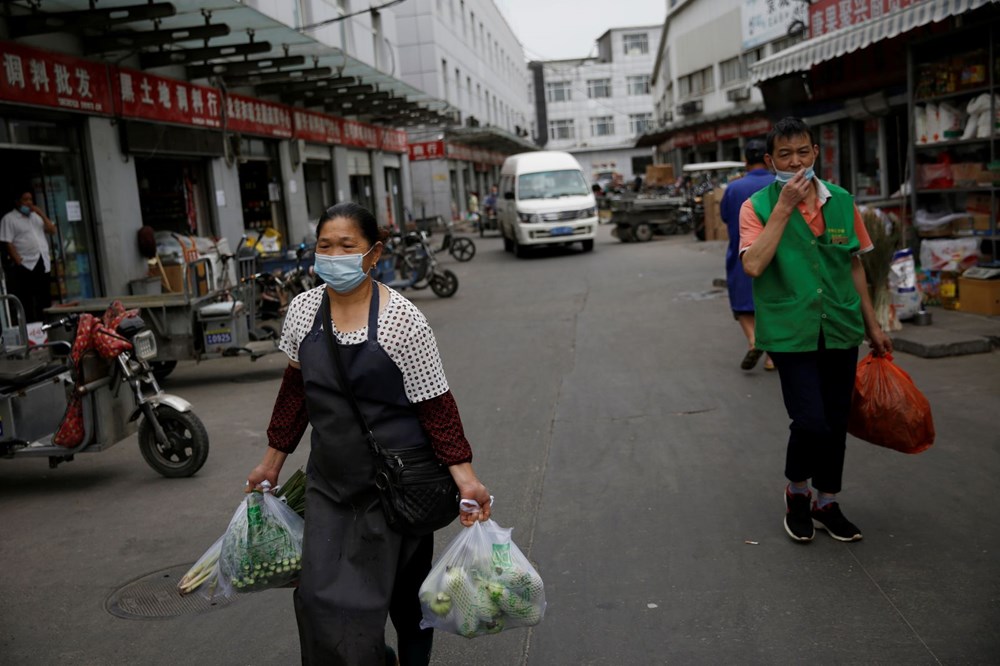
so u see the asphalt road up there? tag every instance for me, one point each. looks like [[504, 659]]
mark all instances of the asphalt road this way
[[639, 467]]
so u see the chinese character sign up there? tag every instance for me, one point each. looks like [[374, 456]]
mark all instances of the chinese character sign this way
[[252, 116], [41, 78], [831, 15], [317, 127], [766, 20], [150, 97], [393, 140]]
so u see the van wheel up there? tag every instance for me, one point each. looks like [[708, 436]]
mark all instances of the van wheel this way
[[588, 245], [520, 251]]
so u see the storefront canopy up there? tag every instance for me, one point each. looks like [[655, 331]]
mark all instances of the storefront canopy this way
[[490, 138], [804, 55], [658, 136], [241, 46]]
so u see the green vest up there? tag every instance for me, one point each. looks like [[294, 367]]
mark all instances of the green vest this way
[[808, 287]]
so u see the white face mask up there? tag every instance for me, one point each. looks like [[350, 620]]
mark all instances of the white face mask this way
[[342, 272], [785, 176]]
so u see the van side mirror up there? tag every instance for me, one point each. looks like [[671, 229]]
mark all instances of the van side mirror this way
[[509, 196]]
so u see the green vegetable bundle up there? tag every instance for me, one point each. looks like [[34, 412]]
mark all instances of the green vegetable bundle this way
[[482, 584], [262, 547]]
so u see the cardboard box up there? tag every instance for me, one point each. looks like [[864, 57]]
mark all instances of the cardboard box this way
[[715, 228], [171, 277], [979, 296], [659, 174]]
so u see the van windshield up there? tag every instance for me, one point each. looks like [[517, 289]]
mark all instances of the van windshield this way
[[551, 185]]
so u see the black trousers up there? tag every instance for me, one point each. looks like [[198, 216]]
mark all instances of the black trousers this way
[[816, 387], [32, 288]]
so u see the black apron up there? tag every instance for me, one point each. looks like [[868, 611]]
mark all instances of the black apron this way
[[355, 569]]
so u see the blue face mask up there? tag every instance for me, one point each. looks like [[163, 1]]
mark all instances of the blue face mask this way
[[343, 272], [25, 210], [785, 176]]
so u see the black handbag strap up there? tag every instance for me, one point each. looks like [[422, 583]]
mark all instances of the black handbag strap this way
[[345, 383]]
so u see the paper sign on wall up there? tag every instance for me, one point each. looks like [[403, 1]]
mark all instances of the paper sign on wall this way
[[74, 213]]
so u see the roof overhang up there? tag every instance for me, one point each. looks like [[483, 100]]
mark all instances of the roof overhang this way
[[661, 134], [804, 55], [490, 138], [235, 46]]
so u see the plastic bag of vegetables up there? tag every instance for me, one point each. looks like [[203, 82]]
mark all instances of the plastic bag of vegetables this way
[[261, 549], [482, 584]]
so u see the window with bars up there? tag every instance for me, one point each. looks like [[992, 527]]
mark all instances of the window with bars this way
[[636, 43], [602, 125], [557, 91], [561, 129], [598, 88], [638, 85], [640, 123]]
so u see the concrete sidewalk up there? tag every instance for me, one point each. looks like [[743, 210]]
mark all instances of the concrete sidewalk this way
[[951, 333]]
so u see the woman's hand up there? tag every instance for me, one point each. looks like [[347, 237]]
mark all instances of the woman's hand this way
[[470, 487], [268, 470], [880, 343]]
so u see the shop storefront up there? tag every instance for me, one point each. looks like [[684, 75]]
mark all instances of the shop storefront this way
[[46, 98], [711, 142]]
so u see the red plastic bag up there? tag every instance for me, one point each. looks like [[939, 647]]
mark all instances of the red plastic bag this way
[[887, 409]]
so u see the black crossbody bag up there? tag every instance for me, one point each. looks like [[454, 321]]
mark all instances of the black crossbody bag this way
[[417, 492]]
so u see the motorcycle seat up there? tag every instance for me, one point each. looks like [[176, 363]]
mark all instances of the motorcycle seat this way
[[16, 374], [222, 308]]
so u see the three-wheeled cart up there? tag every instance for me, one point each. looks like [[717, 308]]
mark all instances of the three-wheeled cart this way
[[197, 323], [640, 217]]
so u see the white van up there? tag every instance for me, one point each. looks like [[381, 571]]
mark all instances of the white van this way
[[544, 199]]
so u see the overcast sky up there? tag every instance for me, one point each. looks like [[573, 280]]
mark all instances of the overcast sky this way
[[556, 29]]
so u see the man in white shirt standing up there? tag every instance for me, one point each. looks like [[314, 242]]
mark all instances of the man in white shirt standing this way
[[22, 232]]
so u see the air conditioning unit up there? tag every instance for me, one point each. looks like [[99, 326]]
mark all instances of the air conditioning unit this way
[[690, 108], [738, 94]]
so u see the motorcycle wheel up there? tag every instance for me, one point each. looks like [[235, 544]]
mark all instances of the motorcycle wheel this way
[[188, 447], [161, 369], [444, 284], [463, 249]]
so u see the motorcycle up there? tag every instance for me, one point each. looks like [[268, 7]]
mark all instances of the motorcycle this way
[[460, 247], [411, 258], [58, 399]]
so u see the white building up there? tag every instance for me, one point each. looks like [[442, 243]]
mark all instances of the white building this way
[[705, 107], [596, 107], [463, 52]]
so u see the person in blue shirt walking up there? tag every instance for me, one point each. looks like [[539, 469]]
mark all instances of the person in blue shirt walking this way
[[740, 291]]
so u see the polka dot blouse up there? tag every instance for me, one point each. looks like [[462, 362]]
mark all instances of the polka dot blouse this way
[[403, 332]]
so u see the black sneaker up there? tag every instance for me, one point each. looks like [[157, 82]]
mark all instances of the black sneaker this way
[[798, 522], [831, 519]]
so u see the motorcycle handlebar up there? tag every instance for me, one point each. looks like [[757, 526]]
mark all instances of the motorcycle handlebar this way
[[66, 322]]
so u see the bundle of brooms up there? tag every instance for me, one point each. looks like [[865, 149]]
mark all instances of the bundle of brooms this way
[[885, 235], [206, 569]]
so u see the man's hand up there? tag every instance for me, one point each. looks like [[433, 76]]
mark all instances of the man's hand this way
[[268, 470], [880, 343], [795, 191]]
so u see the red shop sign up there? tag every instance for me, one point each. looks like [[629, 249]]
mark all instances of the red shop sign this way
[[727, 131], [755, 127], [151, 97], [459, 152], [683, 139], [253, 116], [705, 135], [40, 78], [317, 127], [427, 150], [360, 135], [832, 15], [393, 140]]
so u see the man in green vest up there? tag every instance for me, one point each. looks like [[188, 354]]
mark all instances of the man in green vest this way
[[800, 241]]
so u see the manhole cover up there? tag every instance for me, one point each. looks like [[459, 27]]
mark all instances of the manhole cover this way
[[155, 596]]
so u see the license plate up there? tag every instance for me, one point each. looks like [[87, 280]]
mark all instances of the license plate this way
[[219, 337], [560, 231]]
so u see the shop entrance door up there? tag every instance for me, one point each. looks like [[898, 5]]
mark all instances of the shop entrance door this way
[[319, 190], [55, 179], [394, 198], [172, 195]]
